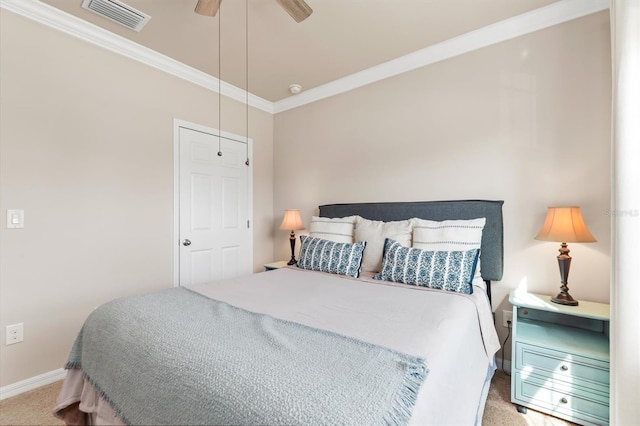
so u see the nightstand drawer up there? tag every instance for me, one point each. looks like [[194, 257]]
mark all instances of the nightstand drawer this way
[[561, 365], [561, 398]]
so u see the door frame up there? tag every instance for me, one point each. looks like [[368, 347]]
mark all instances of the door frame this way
[[175, 241]]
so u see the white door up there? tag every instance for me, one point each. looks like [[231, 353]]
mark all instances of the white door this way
[[214, 227]]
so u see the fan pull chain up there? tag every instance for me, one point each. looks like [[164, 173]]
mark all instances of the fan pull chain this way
[[246, 19], [219, 85]]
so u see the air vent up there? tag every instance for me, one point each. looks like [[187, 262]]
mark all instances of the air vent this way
[[118, 12]]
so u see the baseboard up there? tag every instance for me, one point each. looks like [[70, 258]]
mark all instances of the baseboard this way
[[32, 383]]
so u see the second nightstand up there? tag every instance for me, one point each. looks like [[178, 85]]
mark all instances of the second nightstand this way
[[560, 358], [275, 265]]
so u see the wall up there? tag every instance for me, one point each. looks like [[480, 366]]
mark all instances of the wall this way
[[87, 151], [526, 121], [88, 154]]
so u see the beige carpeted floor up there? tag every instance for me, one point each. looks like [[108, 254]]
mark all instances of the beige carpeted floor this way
[[31, 408], [35, 407]]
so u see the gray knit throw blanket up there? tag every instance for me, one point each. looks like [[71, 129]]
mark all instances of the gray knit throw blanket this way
[[177, 357]]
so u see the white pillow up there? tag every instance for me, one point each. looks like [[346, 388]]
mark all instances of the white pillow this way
[[374, 232], [338, 229], [449, 235]]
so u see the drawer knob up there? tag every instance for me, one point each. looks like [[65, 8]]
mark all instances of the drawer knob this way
[[564, 368], [563, 400]]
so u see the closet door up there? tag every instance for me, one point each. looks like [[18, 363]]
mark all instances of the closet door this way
[[215, 235]]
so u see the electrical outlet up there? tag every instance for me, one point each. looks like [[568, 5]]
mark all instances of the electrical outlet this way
[[507, 316], [14, 334]]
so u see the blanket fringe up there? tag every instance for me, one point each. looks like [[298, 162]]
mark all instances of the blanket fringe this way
[[407, 396]]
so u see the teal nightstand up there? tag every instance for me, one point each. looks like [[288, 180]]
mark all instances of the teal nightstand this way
[[560, 358], [275, 265]]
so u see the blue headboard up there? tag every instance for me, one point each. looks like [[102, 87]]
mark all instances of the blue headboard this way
[[491, 250]]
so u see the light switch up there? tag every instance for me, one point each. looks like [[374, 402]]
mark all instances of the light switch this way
[[15, 219]]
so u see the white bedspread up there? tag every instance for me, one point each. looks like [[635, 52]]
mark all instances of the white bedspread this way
[[442, 327], [453, 332]]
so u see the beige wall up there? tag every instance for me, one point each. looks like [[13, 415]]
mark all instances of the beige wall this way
[[87, 151], [86, 147], [526, 121]]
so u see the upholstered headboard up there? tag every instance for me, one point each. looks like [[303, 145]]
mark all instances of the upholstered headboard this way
[[491, 250]]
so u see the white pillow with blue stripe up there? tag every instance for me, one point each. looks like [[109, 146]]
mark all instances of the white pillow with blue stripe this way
[[339, 229], [459, 234], [317, 254], [445, 270]]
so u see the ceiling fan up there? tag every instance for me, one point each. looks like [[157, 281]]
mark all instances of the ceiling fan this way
[[298, 9]]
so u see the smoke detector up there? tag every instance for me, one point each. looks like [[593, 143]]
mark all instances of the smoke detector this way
[[295, 89], [117, 11]]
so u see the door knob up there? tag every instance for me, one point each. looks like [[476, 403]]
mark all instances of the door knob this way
[[186, 242]]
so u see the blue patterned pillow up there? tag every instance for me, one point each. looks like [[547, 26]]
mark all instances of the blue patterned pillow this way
[[317, 254], [444, 270]]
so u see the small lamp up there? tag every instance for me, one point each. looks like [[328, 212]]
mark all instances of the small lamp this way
[[564, 224], [293, 222]]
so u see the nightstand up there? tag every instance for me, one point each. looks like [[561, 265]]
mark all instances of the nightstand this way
[[560, 358], [275, 265]]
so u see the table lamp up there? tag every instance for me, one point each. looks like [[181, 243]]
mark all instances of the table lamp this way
[[293, 222], [563, 225]]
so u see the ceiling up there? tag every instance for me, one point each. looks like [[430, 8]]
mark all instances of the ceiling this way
[[340, 38]]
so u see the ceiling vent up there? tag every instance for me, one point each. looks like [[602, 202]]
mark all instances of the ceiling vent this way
[[118, 12]]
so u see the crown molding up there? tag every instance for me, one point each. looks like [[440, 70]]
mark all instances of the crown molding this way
[[544, 17], [538, 19], [69, 24]]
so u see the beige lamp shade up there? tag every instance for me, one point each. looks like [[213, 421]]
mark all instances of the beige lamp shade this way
[[565, 224], [292, 220]]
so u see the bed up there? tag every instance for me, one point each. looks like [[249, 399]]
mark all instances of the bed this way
[[315, 343]]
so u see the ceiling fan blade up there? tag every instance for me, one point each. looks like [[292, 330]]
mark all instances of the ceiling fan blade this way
[[298, 9], [208, 7]]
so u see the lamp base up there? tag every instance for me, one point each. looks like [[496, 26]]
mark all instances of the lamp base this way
[[564, 262], [564, 298], [292, 240]]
